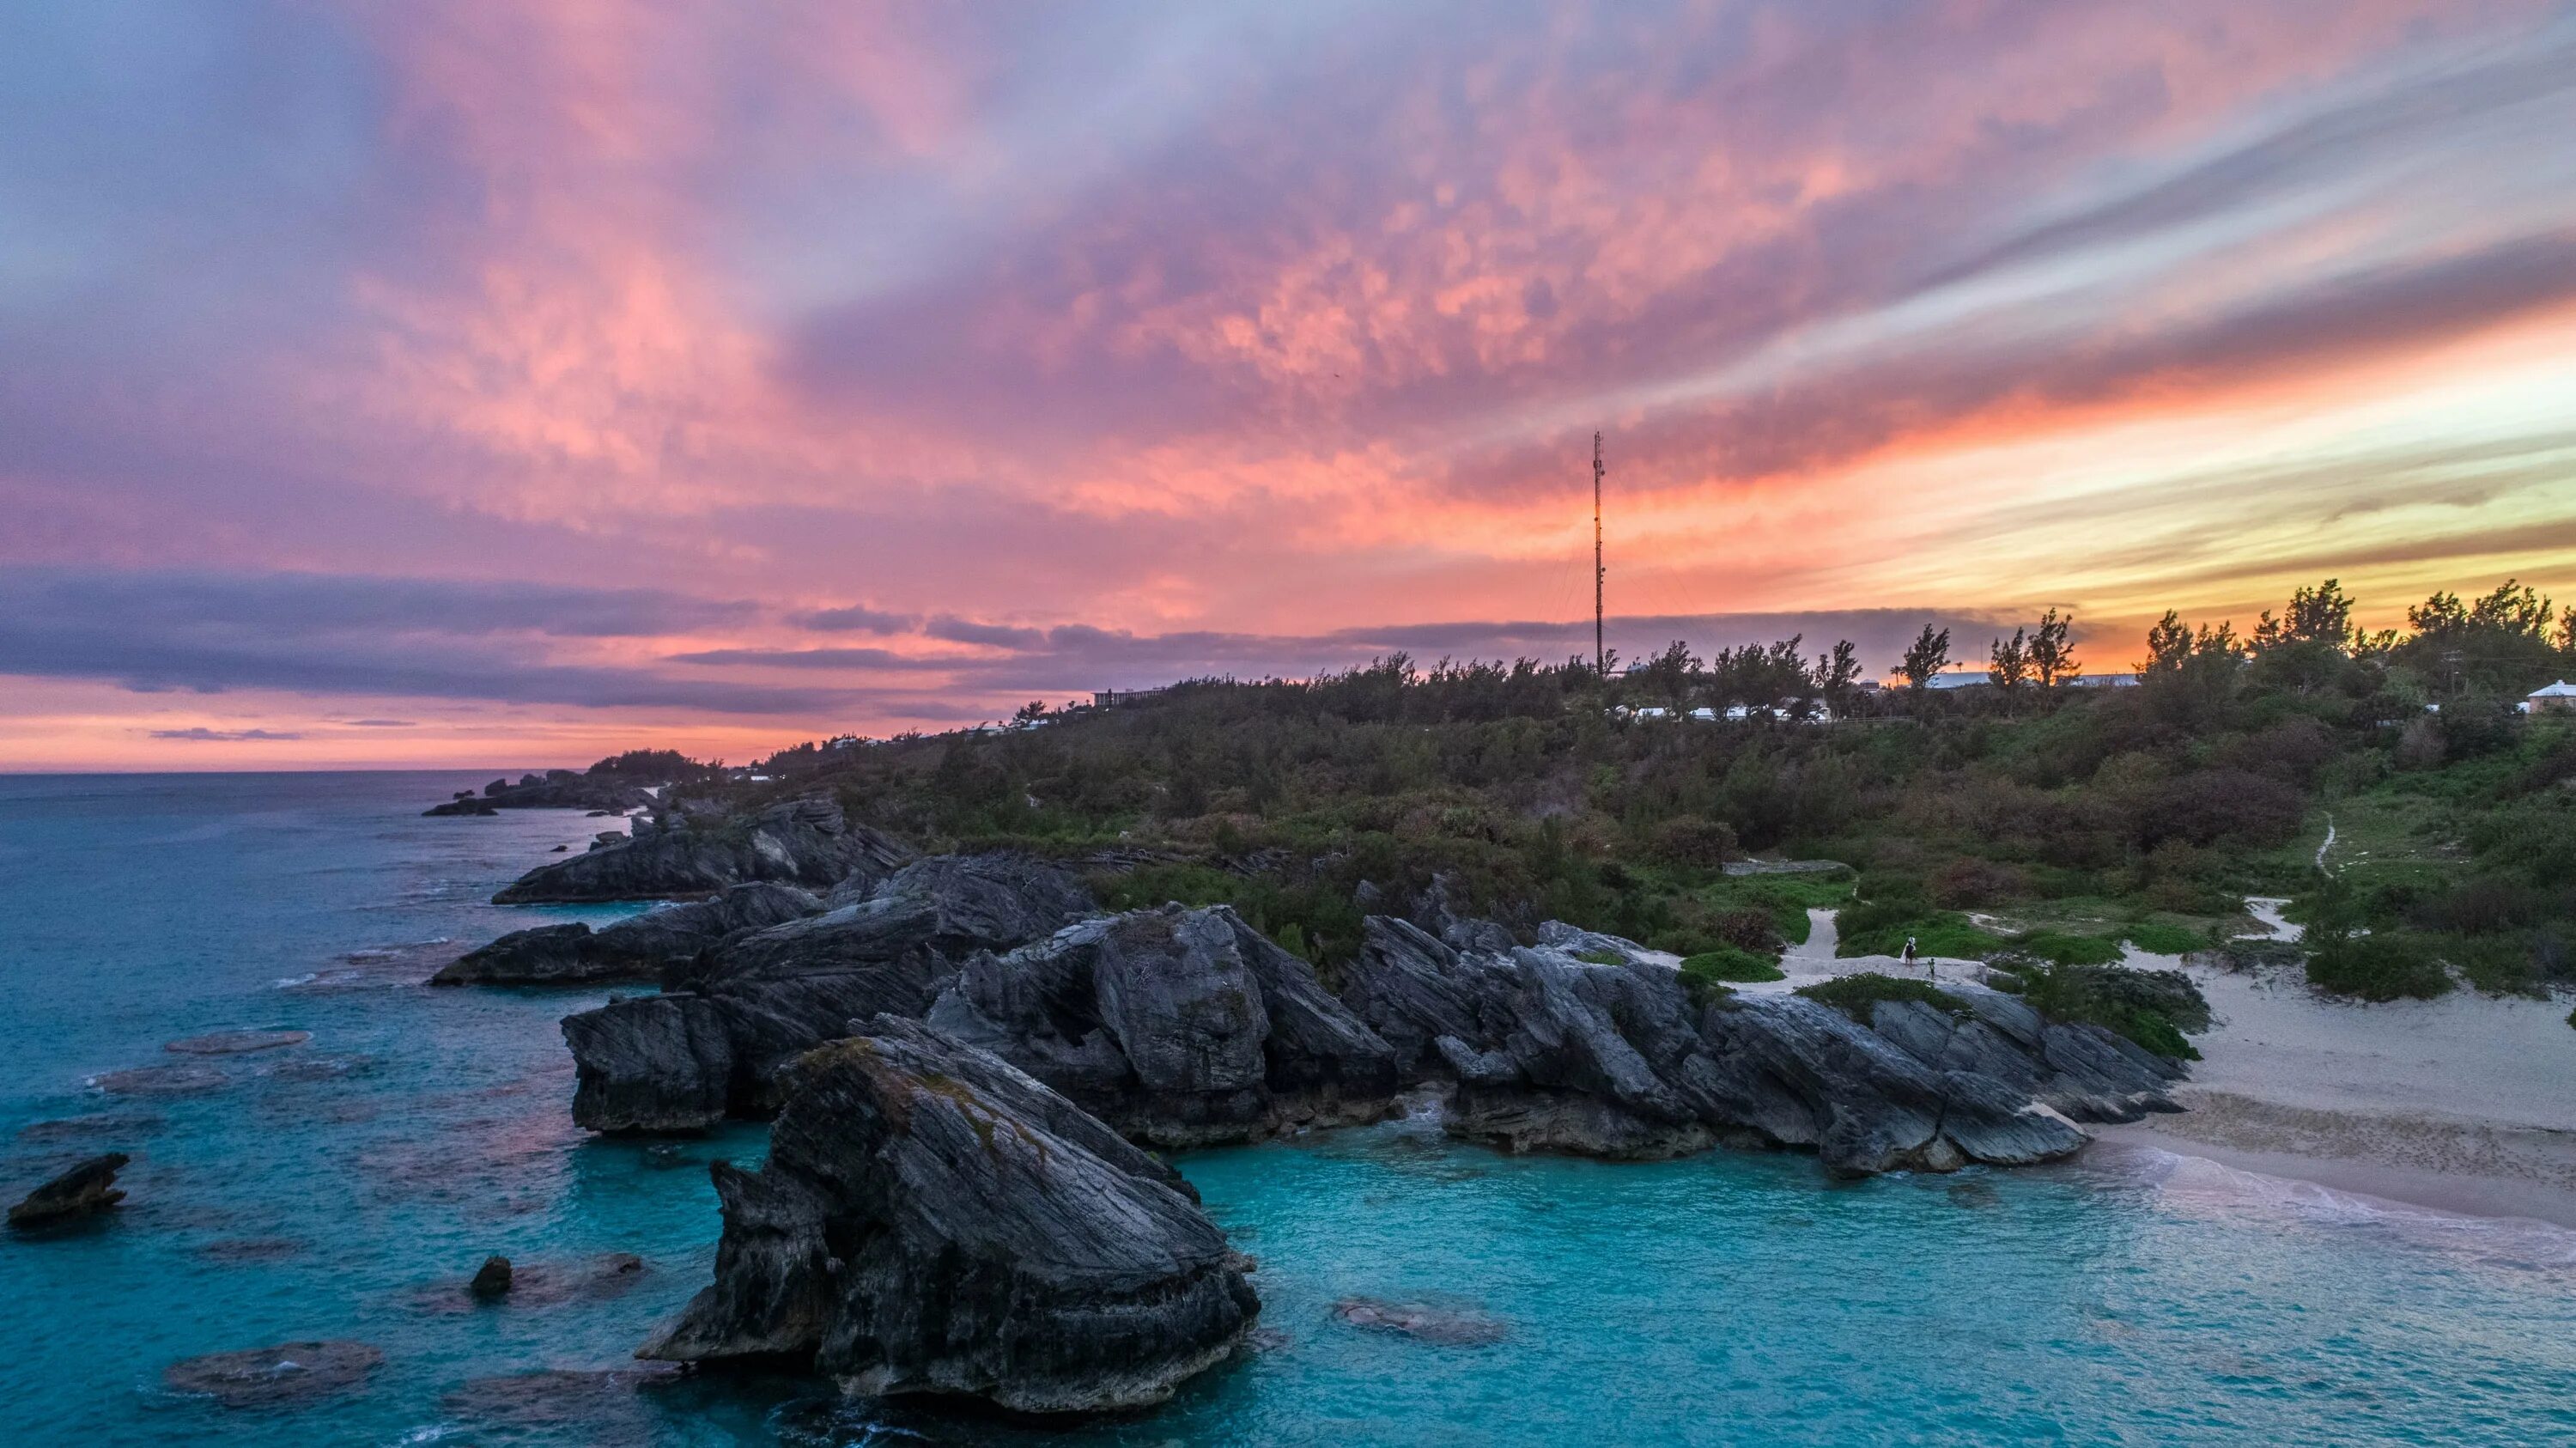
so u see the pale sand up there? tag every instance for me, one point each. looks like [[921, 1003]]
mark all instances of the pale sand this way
[[2465, 1104]]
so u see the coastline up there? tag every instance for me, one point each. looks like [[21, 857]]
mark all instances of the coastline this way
[[2464, 1105]]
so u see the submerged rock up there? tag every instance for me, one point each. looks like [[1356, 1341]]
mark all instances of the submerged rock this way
[[932, 1221], [1448, 1327], [1607, 1053], [234, 1043], [86, 1189], [187, 1078], [1179, 1027], [639, 948], [706, 1049], [266, 1377], [807, 842], [601, 1409]]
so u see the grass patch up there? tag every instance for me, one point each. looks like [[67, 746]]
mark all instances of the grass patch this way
[[1870, 930], [2058, 947], [1726, 964], [1600, 955], [2157, 938], [1857, 995]]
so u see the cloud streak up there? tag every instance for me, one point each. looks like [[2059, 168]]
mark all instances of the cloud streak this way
[[861, 363]]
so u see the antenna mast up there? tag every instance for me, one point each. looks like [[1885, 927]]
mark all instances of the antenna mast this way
[[1600, 656]]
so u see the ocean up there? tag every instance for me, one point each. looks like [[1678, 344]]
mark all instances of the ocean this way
[[345, 1188]]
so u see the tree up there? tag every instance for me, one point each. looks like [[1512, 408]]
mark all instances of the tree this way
[[2052, 654], [1835, 675], [1667, 674], [1030, 712], [2168, 646], [2499, 644], [2319, 615], [1928, 655], [2010, 665]]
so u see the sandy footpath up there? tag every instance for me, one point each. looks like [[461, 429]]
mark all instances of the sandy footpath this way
[[2465, 1104]]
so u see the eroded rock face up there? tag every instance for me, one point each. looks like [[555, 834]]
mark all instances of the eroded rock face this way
[[1553, 1052], [806, 842], [707, 1048], [84, 1190], [1178, 1027], [933, 1221], [640, 948]]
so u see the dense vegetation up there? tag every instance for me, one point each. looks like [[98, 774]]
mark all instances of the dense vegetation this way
[[2026, 815]]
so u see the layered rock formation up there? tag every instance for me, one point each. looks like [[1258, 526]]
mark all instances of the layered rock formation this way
[[933, 1221], [641, 948], [1548, 1051], [707, 1048], [1178, 1027], [807, 842]]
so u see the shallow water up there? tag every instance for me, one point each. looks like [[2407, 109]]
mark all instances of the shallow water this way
[[346, 1186]]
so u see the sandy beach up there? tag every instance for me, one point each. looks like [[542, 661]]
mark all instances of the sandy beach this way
[[2465, 1104]]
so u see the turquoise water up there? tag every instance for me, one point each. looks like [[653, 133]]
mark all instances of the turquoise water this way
[[342, 1189]]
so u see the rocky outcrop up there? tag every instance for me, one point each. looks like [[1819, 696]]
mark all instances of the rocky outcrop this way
[[84, 1190], [1178, 1027], [933, 1221], [1609, 1054], [807, 842], [707, 1048], [555, 789], [640, 948]]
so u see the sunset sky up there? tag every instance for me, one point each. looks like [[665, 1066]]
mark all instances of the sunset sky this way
[[508, 384]]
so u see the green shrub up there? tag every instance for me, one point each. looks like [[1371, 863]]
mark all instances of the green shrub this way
[[2151, 1007], [2389, 967], [1855, 995], [1727, 963]]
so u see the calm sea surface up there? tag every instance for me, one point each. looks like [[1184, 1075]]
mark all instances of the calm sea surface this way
[[344, 1189]]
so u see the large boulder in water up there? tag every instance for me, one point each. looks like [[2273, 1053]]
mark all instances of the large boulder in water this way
[[1179, 1027], [933, 1221], [807, 842], [639, 948], [1610, 1054], [707, 1048], [84, 1190]]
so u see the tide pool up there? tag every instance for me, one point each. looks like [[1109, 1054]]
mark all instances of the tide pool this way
[[345, 1188]]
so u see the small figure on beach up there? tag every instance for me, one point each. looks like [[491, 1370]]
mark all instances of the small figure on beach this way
[[1909, 950]]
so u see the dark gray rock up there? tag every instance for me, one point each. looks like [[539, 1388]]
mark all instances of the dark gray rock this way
[[1179, 1027], [642, 947], [807, 842], [1611, 1056], [491, 1280], [86, 1189], [542, 955], [707, 1048], [932, 1221]]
